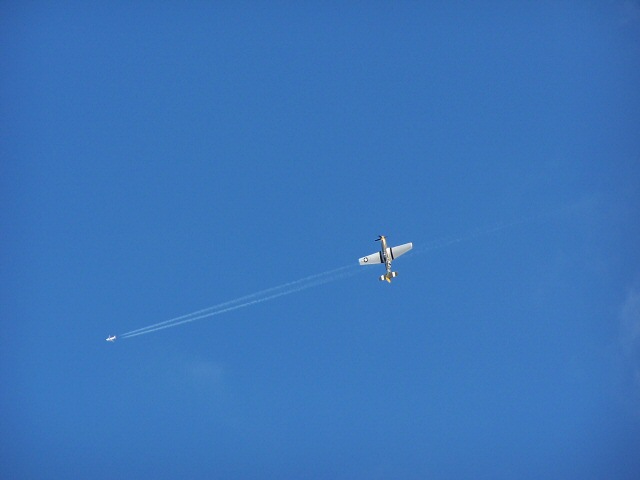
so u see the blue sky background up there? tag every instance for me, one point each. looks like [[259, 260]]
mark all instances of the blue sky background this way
[[161, 158]]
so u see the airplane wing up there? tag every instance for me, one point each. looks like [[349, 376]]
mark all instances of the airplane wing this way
[[371, 259], [400, 249]]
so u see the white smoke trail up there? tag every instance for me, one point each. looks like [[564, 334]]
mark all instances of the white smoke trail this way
[[478, 232], [237, 300], [319, 279], [252, 299]]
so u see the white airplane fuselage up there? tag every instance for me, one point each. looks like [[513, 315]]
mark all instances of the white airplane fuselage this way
[[386, 256], [385, 252]]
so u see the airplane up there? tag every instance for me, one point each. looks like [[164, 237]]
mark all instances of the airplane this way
[[386, 255], [111, 338]]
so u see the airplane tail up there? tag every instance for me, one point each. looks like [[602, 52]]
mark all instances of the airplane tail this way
[[388, 276]]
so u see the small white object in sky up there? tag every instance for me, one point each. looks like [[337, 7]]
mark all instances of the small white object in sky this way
[[111, 338], [386, 255]]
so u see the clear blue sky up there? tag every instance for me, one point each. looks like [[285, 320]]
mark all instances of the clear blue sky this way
[[164, 157]]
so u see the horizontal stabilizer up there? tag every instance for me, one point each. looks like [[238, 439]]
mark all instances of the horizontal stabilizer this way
[[388, 276]]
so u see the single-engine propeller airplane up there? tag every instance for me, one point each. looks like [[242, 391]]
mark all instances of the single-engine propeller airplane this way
[[111, 338], [386, 255]]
